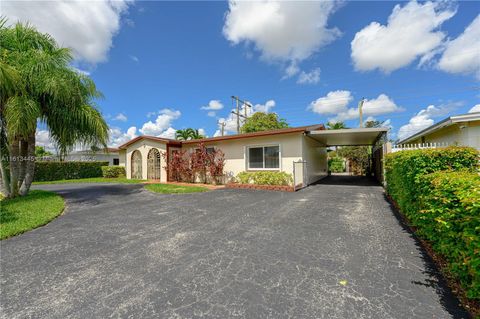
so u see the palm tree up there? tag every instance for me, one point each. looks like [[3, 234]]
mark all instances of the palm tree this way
[[336, 125], [188, 134], [182, 135], [37, 84], [194, 134]]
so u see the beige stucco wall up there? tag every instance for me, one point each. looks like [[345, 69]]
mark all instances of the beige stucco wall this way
[[293, 147], [463, 134], [144, 146], [235, 151], [315, 154]]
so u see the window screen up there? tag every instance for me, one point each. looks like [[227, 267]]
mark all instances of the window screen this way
[[255, 157], [264, 157]]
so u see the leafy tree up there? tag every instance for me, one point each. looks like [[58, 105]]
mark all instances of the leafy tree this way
[[336, 126], [37, 84], [261, 121], [373, 123], [188, 134], [41, 152]]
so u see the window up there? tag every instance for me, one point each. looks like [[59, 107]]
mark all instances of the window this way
[[264, 157], [210, 150], [116, 161]]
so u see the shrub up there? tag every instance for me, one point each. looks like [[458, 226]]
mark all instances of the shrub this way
[[336, 165], [438, 190], [53, 171], [113, 171], [199, 163], [403, 170], [450, 219], [265, 178]]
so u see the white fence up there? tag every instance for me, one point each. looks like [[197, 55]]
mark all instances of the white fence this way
[[419, 146]]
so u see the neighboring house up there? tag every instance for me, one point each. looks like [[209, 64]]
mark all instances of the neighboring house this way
[[275, 150], [462, 130], [109, 155]]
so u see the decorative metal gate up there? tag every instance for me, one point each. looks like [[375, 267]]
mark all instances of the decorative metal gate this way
[[136, 165], [300, 177], [153, 164]]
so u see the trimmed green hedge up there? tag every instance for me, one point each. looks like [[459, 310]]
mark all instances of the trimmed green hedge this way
[[113, 171], [265, 178], [52, 171], [450, 220], [438, 191], [403, 170]]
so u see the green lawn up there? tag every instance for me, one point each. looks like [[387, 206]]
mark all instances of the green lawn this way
[[174, 189], [27, 212], [122, 180]]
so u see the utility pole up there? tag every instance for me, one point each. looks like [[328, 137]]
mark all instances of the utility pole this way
[[360, 110], [237, 113], [222, 127]]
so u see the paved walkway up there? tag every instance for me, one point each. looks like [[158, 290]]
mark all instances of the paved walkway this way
[[333, 250]]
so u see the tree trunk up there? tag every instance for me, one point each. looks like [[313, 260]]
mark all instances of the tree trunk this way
[[14, 152], [4, 175], [30, 167], [4, 163], [22, 163]]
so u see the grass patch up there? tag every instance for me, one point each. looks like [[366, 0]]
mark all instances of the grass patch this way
[[174, 189], [121, 180], [23, 213]]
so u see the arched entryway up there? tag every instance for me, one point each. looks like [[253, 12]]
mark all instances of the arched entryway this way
[[136, 165], [153, 164]]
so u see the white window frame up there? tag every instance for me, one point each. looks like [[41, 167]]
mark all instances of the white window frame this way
[[247, 159]]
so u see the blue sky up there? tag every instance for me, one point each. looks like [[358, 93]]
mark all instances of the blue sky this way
[[158, 63]]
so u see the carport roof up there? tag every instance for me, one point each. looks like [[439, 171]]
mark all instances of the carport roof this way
[[348, 137]]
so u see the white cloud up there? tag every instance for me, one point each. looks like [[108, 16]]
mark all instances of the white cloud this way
[[202, 131], [282, 31], [264, 107], [134, 58], [334, 102], [214, 105], [168, 133], [311, 77], [217, 133], [475, 109], [411, 32], [87, 27], [117, 137], [462, 55], [120, 117], [162, 123], [373, 107], [424, 118]]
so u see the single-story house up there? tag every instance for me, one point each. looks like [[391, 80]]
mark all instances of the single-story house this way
[[109, 155], [275, 150], [462, 130]]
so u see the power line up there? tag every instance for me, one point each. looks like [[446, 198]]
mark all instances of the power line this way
[[237, 113]]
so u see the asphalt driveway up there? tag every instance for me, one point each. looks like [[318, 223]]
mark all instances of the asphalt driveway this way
[[333, 250]]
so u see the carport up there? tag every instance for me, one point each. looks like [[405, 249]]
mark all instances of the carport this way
[[374, 137]]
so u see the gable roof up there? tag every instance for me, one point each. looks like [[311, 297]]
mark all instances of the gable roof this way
[[226, 137], [151, 138], [444, 123]]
